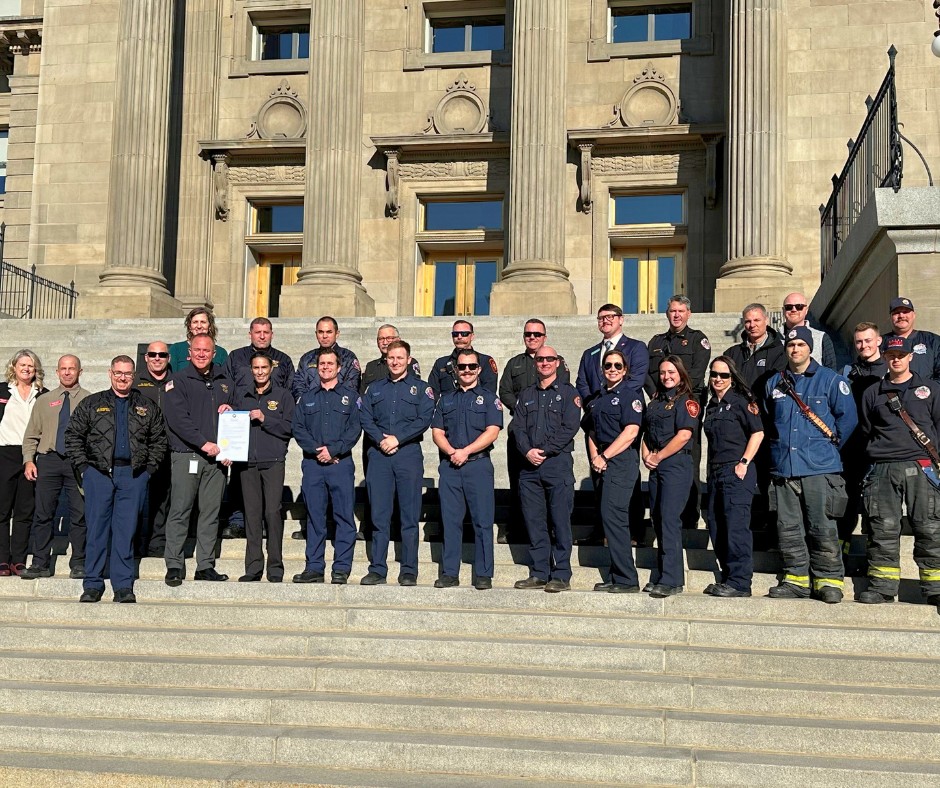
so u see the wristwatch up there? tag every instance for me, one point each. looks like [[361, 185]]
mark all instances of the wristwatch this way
[[743, 461]]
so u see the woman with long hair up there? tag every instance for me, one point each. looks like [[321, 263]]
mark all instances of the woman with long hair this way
[[24, 378], [199, 321], [670, 429], [612, 423], [733, 426]]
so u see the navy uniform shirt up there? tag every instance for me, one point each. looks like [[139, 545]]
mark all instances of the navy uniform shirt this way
[[668, 413], [926, 359], [444, 374], [889, 439], [378, 369], [268, 439], [547, 418], [402, 408], [690, 345], [192, 407], [465, 415], [238, 367], [306, 378], [328, 417], [612, 411], [520, 373], [729, 424], [152, 389]]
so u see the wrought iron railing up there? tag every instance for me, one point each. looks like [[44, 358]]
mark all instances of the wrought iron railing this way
[[875, 161], [24, 294]]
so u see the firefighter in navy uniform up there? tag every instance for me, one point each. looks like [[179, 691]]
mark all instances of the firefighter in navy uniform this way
[[306, 377], [444, 373], [545, 421], [671, 425], [806, 469], [465, 425], [396, 412], [518, 374], [327, 427], [904, 470], [925, 345]]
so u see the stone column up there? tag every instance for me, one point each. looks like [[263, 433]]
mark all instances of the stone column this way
[[536, 272], [329, 281], [200, 121], [132, 283], [25, 47], [757, 268]]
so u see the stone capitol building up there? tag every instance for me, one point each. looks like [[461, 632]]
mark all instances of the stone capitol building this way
[[438, 157]]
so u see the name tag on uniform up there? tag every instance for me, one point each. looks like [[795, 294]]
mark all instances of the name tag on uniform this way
[[194, 466]]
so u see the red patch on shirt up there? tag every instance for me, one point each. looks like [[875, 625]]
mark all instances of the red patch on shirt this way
[[55, 404], [493, 365], [752, 408], [693, 408]]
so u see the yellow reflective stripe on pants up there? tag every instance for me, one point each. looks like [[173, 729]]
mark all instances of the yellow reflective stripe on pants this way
[[797, 580], [832, 582], [885, 572], [930, 575]]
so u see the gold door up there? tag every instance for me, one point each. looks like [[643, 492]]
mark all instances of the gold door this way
[[275, 272]]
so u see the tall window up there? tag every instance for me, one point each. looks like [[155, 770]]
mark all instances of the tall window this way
[[4, 144], [460, 243]]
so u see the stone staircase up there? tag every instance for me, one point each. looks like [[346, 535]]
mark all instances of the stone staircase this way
[[228, 684]]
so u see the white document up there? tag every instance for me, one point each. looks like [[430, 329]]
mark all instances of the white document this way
[[234, 427]]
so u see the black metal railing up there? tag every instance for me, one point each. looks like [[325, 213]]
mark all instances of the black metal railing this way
[[875, 161], [24, 294]]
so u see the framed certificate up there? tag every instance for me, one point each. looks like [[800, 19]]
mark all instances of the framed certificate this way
[[234, 427]]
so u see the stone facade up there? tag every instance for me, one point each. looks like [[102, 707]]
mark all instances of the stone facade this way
[[746, 118]]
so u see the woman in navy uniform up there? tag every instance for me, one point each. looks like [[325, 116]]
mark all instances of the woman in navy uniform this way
[[670, 426], [734, 430], [612, 423]]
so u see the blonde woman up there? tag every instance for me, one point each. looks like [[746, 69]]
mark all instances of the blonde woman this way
[[24, 377]]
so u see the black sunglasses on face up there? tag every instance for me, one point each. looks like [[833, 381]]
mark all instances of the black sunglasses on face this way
[[460, 333], [157, 355], [546, 359], [795, 307], [613, 365], [471, 367], [721, 375], [531, 334]]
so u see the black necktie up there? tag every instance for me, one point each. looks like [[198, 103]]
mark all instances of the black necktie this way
[[63, 423]]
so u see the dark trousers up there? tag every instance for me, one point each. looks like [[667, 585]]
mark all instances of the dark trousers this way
[[889, 484], [669, 492], [471, 485], [155, 509], [53, 474], [547, 496], [322, 484], [17, 500], [808, 536], [111, 505], [853, 472], [729, 523], [616, 495], [206, 486], [399, 476], [262, 488], [515, 525]]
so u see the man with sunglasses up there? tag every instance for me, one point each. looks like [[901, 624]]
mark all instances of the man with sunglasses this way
[[444, 374], [151, 382], [518, 374], [546, 419], [795, 313], [465, 425]]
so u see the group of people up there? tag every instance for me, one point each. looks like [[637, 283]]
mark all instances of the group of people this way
[[789, 438]]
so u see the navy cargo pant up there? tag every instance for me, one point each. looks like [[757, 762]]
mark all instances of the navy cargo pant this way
[[729, 522], [890, 484], [469, 486], [389, 477], [616, 494], [807, 533], [321, 484], [669, 492], [546, 494]]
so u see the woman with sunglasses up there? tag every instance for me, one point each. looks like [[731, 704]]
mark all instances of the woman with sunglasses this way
[[734, 430], [670, 428], [612, 423]]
